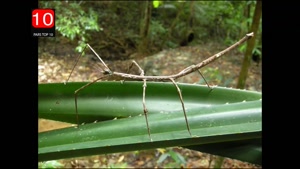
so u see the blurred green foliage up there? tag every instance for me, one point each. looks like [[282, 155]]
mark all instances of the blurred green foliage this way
[[50, 164], [73, 21], [104, 23], [177, 158]]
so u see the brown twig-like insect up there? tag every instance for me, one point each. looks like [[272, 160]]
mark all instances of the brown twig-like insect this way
[[107, 72]]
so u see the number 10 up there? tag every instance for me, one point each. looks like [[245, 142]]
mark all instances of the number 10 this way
[[46, 21]]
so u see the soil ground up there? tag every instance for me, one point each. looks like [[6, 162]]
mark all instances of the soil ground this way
[[56, 61]]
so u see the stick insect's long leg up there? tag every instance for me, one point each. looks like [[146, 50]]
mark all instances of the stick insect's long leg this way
[[181, 100], [145, 108], [144, 94], [204, 79], [137, 65], [144, 97], [134, 63], [78, 90], [192, 67]]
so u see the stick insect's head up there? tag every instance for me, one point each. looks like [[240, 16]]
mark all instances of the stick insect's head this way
[[107, 72]]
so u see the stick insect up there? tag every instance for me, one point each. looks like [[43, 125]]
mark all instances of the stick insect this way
[[108, 72]]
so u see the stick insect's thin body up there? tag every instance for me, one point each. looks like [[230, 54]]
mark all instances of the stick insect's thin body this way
[[171, 78]]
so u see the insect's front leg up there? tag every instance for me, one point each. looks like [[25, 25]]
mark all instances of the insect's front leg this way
[[142, 73], [76, 93], [145, 108]]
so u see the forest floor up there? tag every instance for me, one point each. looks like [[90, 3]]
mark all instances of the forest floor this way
[[55, 64]]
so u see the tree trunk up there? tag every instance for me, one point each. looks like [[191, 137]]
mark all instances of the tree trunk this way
[[171, 28], [145, 24], [250, 46]]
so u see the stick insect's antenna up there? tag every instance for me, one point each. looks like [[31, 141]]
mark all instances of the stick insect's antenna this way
[[106, 70], [76, 61]]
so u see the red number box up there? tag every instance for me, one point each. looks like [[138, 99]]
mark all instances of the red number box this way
[[43, 18]]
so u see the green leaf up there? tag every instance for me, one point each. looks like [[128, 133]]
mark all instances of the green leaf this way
[[177, 157], [245, 150], [163, 157], [218, 116]]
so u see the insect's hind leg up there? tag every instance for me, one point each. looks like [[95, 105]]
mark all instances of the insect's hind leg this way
[[192, 67], [182, 104], [204, 80]]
